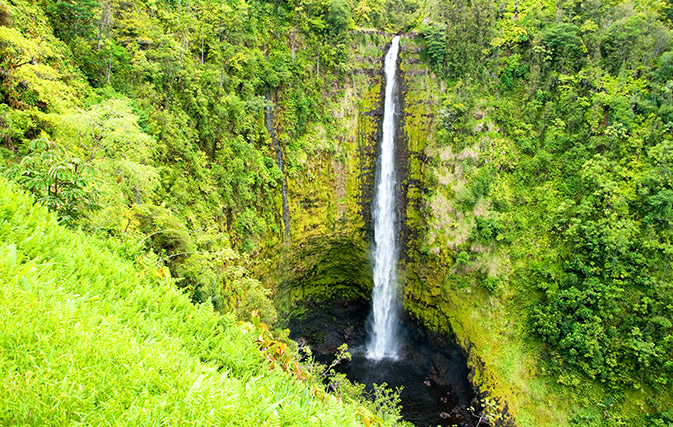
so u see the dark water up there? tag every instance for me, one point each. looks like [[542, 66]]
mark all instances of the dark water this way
[[433, 373]]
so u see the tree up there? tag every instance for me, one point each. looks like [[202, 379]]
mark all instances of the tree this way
[[73, 18], [565, 47], [63, 183]]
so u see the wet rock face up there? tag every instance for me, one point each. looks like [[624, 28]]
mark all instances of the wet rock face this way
[[436, 390], [325, 328], [323, 277], [322, 270]]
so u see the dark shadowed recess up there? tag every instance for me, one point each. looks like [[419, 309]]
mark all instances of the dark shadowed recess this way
[[432, 371]]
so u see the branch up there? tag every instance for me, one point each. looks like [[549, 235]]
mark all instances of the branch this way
[[480, 418]]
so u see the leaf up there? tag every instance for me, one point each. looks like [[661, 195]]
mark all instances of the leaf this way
[[26, 269], [281, 348], [195, 387], [26, 285], [11, 254]]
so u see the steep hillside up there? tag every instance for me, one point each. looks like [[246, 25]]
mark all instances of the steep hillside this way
[[89, 337]]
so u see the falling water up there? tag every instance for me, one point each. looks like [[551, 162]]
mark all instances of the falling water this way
[[383, 341]]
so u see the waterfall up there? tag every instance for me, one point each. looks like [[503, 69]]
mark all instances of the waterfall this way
[[383, 340]]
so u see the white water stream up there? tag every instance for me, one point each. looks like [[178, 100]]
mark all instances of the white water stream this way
[[383, 341]]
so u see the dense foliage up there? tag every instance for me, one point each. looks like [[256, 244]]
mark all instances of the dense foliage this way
[[144, 121], [563, 112]]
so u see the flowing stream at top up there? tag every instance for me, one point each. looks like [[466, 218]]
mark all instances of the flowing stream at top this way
[[383, 342]]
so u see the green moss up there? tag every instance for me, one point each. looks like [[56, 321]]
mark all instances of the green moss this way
[[323, 269], [329, 194]]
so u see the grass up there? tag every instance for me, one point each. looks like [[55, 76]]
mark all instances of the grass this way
[[88, 337]]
